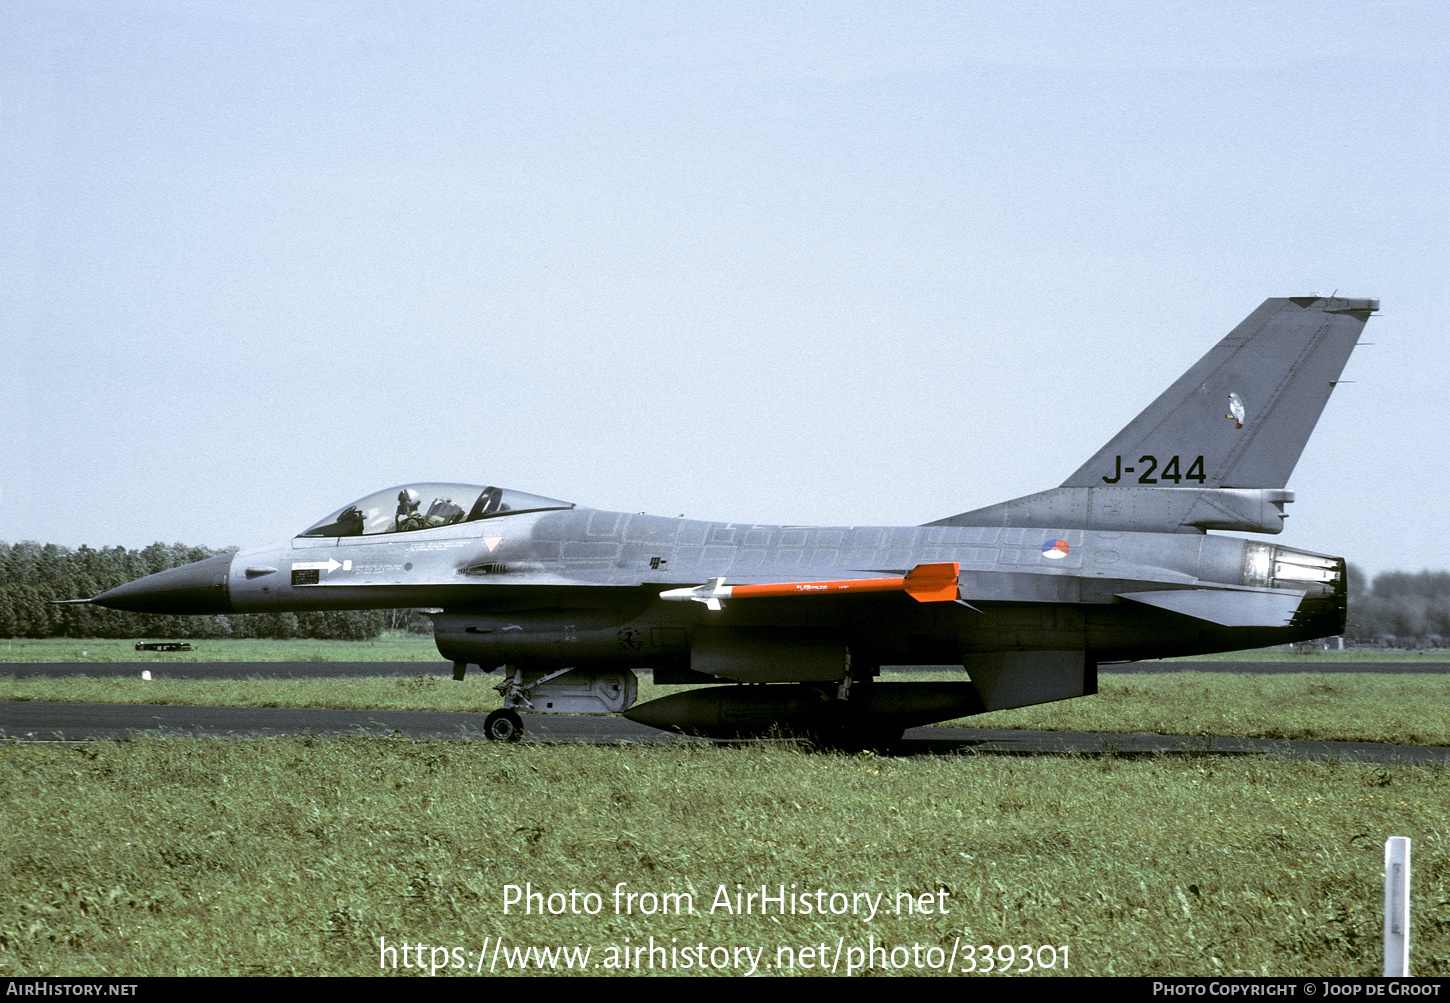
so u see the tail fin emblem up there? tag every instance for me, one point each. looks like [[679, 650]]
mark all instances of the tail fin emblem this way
[[1235, 410]]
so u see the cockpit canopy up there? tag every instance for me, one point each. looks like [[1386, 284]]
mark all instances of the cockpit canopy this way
[[411, 507]]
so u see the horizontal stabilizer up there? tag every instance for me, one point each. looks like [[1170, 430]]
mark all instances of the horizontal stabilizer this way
[[1231, 608]]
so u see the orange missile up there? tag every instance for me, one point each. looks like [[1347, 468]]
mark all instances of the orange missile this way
[[924, 583]]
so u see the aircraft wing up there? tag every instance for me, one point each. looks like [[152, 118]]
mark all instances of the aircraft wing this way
[[1228, 607]]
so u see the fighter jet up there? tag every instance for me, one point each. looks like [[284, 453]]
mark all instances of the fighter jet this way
[[788, 626]]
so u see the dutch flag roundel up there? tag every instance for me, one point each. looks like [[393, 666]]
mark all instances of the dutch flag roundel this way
[[1055, 549]]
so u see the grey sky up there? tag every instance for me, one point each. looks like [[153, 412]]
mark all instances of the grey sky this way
[[808, 263]]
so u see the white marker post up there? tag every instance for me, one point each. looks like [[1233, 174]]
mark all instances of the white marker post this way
[[1397, 906]]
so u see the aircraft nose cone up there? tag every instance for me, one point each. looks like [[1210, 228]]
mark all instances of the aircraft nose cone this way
[[191, 588]]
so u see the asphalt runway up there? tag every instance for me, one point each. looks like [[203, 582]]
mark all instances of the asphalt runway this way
[[45, 721], [165, 669]]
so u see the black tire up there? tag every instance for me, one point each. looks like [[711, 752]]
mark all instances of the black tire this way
[[503, 726]]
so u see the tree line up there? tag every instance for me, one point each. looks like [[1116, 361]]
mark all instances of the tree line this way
[[1396, 607], [1400, 608], [32, 574]]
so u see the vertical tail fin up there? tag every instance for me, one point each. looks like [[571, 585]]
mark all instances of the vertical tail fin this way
[[1241, 416], [1216, 448]]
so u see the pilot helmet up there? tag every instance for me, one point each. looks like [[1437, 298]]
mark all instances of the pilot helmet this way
[[409, 498]]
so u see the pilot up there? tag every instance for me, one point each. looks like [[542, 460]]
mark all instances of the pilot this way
[[408, 517]]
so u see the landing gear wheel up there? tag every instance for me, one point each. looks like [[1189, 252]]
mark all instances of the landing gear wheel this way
[[503, 726]]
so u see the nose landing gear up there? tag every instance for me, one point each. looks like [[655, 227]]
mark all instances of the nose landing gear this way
[[503, 726], [562, 691]]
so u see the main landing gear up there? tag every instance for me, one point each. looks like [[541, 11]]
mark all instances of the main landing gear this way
[[560, 691]]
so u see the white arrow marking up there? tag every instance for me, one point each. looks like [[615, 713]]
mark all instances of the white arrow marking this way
[[327, 565], [492, 541]]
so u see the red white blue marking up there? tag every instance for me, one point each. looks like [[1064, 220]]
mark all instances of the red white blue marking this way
[[1055, 549]]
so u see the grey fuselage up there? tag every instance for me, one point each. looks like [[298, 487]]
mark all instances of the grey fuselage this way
[[582, 586], [1117, 563]]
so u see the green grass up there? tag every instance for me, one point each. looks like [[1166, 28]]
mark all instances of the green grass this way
[[419, 692], [1314, 657], [392, 646], [1409, 709], [217, 857], [171, 856]]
